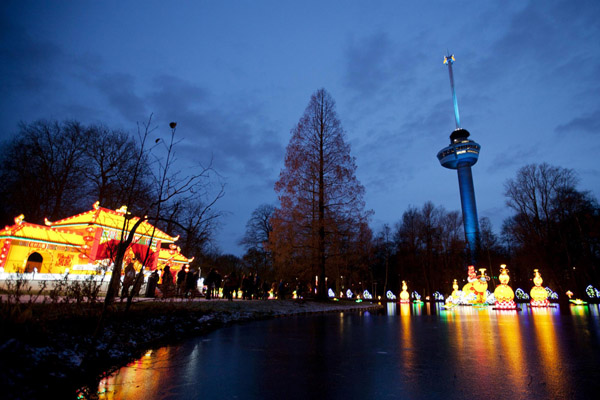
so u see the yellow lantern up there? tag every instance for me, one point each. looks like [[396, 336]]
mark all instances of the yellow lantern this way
[[504, 293], [539, 295], [455, 291], [404, 296]]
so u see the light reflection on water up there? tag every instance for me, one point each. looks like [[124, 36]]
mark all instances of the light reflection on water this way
[[407, 351]]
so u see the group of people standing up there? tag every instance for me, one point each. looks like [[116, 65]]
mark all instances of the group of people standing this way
[[186, 284], [250, 285]]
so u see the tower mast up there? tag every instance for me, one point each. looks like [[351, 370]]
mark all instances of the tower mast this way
[[449, 60]]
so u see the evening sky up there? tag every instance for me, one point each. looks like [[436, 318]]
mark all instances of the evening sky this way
[[237, 76]]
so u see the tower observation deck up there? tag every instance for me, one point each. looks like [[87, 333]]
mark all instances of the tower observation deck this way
[[461, 154]]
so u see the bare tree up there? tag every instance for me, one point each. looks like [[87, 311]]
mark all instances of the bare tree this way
[[258, 228], [41, 168], [169, 186], [110, 157], [546, 229], [489, 244], [386, 244], [430, 248]]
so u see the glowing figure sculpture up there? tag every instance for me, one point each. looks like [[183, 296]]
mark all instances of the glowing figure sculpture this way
[[404, 296], [504, 294], [521, 295], [539, 295], [477, 288], [592, 292], [455, 292], [460, 155], [390, 295]]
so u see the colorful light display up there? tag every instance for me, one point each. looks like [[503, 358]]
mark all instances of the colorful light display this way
[[539, 295], [478, 287], [390, 295], [578, 302], [367, 295], [592, 292], [455, 292], [504, 294], [404, 296], [521, 295]]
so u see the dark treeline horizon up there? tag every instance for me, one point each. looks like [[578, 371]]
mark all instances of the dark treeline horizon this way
[[56, 169]]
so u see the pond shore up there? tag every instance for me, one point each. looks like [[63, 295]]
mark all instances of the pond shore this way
[[49, 349]]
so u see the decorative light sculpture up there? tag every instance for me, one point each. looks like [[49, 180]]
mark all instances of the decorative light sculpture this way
[[404, 296], [504, 294], [455, 292], [551, 294], [416, 297], [578, 302], [367, 295], [539, 295], [521, 295], [477, 288], [592, 292], [390, 295]]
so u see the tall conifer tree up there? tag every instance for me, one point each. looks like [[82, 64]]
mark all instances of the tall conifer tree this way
[[321, 201]]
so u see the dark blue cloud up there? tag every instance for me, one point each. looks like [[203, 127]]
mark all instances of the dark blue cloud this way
[[29, 63], [120, 91], [588, 123]]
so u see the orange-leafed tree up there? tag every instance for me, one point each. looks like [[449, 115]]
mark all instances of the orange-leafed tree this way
[[321, 210]]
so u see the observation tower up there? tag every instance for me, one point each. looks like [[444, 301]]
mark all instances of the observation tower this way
[[460, 155]]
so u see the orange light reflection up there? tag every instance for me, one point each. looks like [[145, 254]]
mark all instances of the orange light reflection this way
[[141, 379], [549, 350]]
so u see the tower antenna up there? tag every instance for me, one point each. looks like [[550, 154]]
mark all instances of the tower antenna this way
[[449, 60]]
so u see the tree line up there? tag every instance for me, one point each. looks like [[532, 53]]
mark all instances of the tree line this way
[[319, 230], [318, 233]]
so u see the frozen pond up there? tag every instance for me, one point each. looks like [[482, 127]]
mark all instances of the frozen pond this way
[[406, 351]]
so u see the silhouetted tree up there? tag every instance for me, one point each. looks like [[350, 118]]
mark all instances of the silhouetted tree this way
[[258, 228], [256, 238], [385, 250], [430, 248], [554, 226], [110, 157], [42, 171], [492, 252]]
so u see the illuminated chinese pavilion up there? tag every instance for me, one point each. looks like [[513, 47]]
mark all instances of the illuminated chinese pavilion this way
[[83, 242]]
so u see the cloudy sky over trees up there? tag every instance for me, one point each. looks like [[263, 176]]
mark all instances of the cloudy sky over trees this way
[[237, 76]]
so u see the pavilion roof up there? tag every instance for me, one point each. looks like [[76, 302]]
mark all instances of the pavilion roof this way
[[41, 234], [166, 255], [112, 219]]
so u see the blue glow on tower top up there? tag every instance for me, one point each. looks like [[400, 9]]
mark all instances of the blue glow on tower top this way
[[449, 60]]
